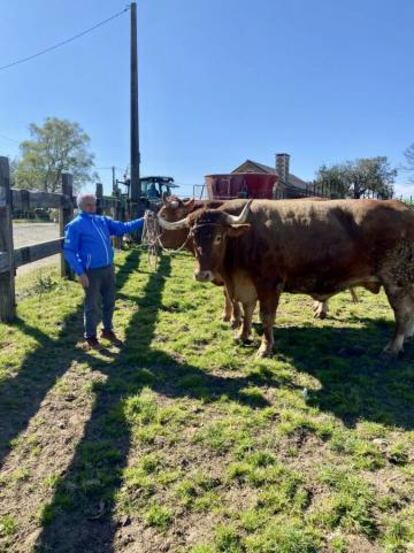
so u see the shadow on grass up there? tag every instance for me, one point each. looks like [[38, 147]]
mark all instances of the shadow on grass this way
[[102, 454], [357, 383], [21, 396]]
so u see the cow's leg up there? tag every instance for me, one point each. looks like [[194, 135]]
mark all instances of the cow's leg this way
[[354, 296], [410, 332], [236, 318], [245, 331], [231, 311], [402, 303], [268, 306], [320, 309], [227, 311]]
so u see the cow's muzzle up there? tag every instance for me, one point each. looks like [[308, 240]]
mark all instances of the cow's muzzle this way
[[204, 276]]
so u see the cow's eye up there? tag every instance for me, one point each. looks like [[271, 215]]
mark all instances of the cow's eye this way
[[217, 239]]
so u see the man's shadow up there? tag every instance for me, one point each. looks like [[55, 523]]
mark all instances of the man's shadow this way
[[22, 395]]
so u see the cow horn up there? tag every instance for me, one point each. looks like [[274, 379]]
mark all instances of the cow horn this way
[[176, 225], [239, 219]]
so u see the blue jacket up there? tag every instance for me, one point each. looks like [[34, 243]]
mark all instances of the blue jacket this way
[[87, 243]]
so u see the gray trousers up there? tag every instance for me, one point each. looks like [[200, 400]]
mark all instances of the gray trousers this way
[[101, 287]]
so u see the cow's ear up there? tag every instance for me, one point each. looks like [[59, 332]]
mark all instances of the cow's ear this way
[[189, 204], [237, 230]]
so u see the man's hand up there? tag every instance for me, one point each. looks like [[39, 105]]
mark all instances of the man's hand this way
[[84, 280]]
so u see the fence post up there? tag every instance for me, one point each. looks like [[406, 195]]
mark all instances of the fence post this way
[[7, 289], [65, 215], [99, 196]]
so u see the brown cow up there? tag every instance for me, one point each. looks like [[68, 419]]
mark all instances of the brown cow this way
[[316, 248], [175, 209]]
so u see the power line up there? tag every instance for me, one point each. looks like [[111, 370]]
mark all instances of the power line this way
[[8, 138], [63, 42]]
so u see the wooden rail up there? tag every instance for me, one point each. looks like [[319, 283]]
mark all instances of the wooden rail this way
[[29, 254], [26, 200], [29, 199]]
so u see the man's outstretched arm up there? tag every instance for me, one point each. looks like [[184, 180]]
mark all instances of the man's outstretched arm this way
[[118, 228]]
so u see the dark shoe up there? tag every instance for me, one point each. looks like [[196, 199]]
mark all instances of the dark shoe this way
[[111, 337], [92, 343]]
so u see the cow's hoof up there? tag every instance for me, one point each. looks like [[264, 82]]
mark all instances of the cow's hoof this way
[[225, 318], [264, 352], [320, 315], [243, 340], [391, 351], [387, 358], [235, 323]]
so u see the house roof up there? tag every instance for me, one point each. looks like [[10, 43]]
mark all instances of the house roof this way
[[261, 166], [293, 179]]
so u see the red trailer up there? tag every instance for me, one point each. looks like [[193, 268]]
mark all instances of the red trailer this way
[[241, 185]]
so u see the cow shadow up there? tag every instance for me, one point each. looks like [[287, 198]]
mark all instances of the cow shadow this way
[[356, 381], [69, 522]]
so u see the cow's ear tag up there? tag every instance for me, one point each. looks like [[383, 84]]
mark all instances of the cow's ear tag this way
[[237, 230]]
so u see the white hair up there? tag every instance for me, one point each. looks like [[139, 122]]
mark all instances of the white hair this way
[[83, 196]]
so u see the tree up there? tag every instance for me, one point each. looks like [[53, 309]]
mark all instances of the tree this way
[[359, 178], [13, 166], [372, 175], [332, 180], [409, 158], [56, 147]]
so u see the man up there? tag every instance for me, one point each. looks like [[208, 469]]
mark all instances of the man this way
[[153, 192], [88, 250]]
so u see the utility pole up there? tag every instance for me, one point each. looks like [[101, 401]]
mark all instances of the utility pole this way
[[135, 188], [114, 186]]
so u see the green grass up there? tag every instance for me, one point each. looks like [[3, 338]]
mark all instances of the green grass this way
[[158, 516], [8, 525], [196, 442], [38, 282]]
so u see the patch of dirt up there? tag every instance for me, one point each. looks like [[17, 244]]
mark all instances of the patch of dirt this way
[[42, 455], [359, 544]]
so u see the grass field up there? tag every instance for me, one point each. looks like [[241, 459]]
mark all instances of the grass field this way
[[184, 442]]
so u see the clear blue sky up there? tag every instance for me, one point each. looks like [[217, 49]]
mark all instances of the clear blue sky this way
[[220, 81]]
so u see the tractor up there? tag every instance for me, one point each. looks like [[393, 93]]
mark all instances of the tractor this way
[[153, 190]]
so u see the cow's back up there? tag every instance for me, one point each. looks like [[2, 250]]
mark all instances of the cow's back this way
[[317, 245]]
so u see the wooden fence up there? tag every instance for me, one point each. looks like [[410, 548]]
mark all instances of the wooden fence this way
[[11, 258]]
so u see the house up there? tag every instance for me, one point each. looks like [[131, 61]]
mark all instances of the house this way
[[288, 186]]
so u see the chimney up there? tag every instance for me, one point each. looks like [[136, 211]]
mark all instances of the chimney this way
[[282, 168]]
